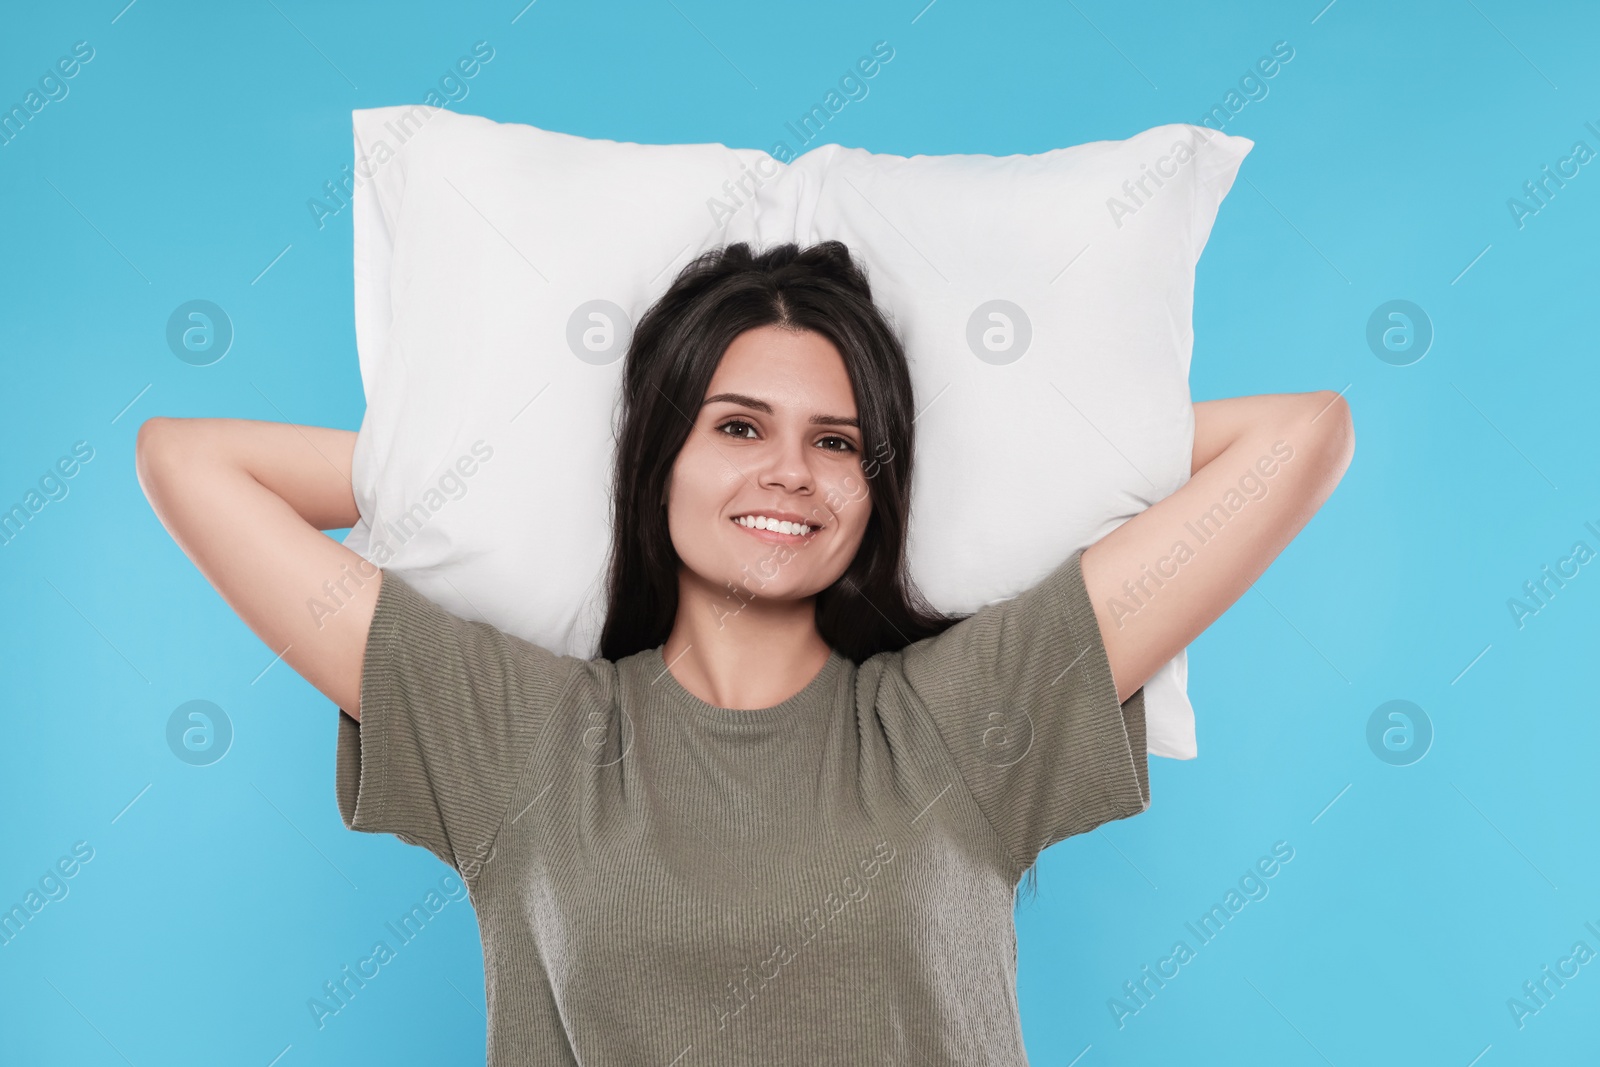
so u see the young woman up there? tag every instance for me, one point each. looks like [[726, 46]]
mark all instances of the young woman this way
[[782, 817]]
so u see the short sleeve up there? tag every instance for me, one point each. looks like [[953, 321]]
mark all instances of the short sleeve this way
[[450, 713], [1022, 694]]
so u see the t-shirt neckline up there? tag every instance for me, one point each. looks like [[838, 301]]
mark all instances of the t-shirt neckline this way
[[820, 683]]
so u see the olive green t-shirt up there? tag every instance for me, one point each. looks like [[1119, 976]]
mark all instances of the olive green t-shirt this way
[[661, 881]]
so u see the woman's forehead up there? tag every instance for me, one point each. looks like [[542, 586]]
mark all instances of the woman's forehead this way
[[772, 370]]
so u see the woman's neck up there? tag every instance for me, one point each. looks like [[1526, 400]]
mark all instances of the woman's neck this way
[[747, 653]]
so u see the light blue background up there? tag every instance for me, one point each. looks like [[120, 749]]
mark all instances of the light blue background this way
[[1415, 905]]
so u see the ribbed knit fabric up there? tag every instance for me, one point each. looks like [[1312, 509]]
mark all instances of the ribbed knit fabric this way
[[659, 881]]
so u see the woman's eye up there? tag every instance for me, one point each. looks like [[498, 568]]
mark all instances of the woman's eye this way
[[830, 444]]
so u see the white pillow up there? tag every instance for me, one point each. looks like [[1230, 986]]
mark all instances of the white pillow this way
[[483, 250], [1044, 302], [490, 369]]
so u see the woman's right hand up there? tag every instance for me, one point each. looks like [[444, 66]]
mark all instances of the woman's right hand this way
[[247, 501]]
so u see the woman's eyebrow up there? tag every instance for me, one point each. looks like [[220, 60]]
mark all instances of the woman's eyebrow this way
[[766, 408]]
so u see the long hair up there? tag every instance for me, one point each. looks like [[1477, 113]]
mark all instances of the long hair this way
[[676, 347]]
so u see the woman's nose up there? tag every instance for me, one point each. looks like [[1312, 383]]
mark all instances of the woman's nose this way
[[785, 465]]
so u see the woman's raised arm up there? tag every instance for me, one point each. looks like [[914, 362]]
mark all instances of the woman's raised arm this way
[[1262, 467], [246, 502]]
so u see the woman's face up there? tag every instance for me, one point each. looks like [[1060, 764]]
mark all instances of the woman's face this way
[[775, 437]]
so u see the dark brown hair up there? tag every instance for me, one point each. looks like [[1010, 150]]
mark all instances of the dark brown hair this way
[[873, 607], [676, 348]]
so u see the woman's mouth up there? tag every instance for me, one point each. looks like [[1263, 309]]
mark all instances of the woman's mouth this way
[[774, 531]]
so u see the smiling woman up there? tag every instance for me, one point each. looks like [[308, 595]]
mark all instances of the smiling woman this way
[[772, 386], [775, 463], [772, 817], [789, 800]]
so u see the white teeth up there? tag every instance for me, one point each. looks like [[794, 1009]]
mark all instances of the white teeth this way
[[761, 522]]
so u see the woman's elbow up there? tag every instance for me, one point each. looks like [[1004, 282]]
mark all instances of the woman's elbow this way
[[148, 445], [158, 446], [1334, 409], [1323, 438], [1322, 426]]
